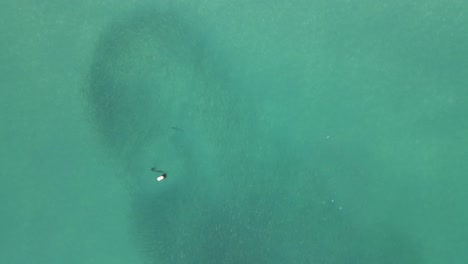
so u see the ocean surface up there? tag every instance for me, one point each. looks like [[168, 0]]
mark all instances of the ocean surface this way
[[290, 131]]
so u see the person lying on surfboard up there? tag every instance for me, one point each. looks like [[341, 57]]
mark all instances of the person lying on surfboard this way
[[161, 177]]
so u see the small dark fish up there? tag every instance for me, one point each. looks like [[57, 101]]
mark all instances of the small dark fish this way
[[156, 170], [176, 128]]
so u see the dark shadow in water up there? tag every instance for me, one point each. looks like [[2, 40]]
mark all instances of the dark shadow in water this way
[[152, 72], [135, 79]]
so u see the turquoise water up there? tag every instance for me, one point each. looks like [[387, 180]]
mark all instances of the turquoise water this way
[[307, 132]]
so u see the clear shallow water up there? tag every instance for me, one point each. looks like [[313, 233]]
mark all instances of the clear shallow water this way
[[312, 133]]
